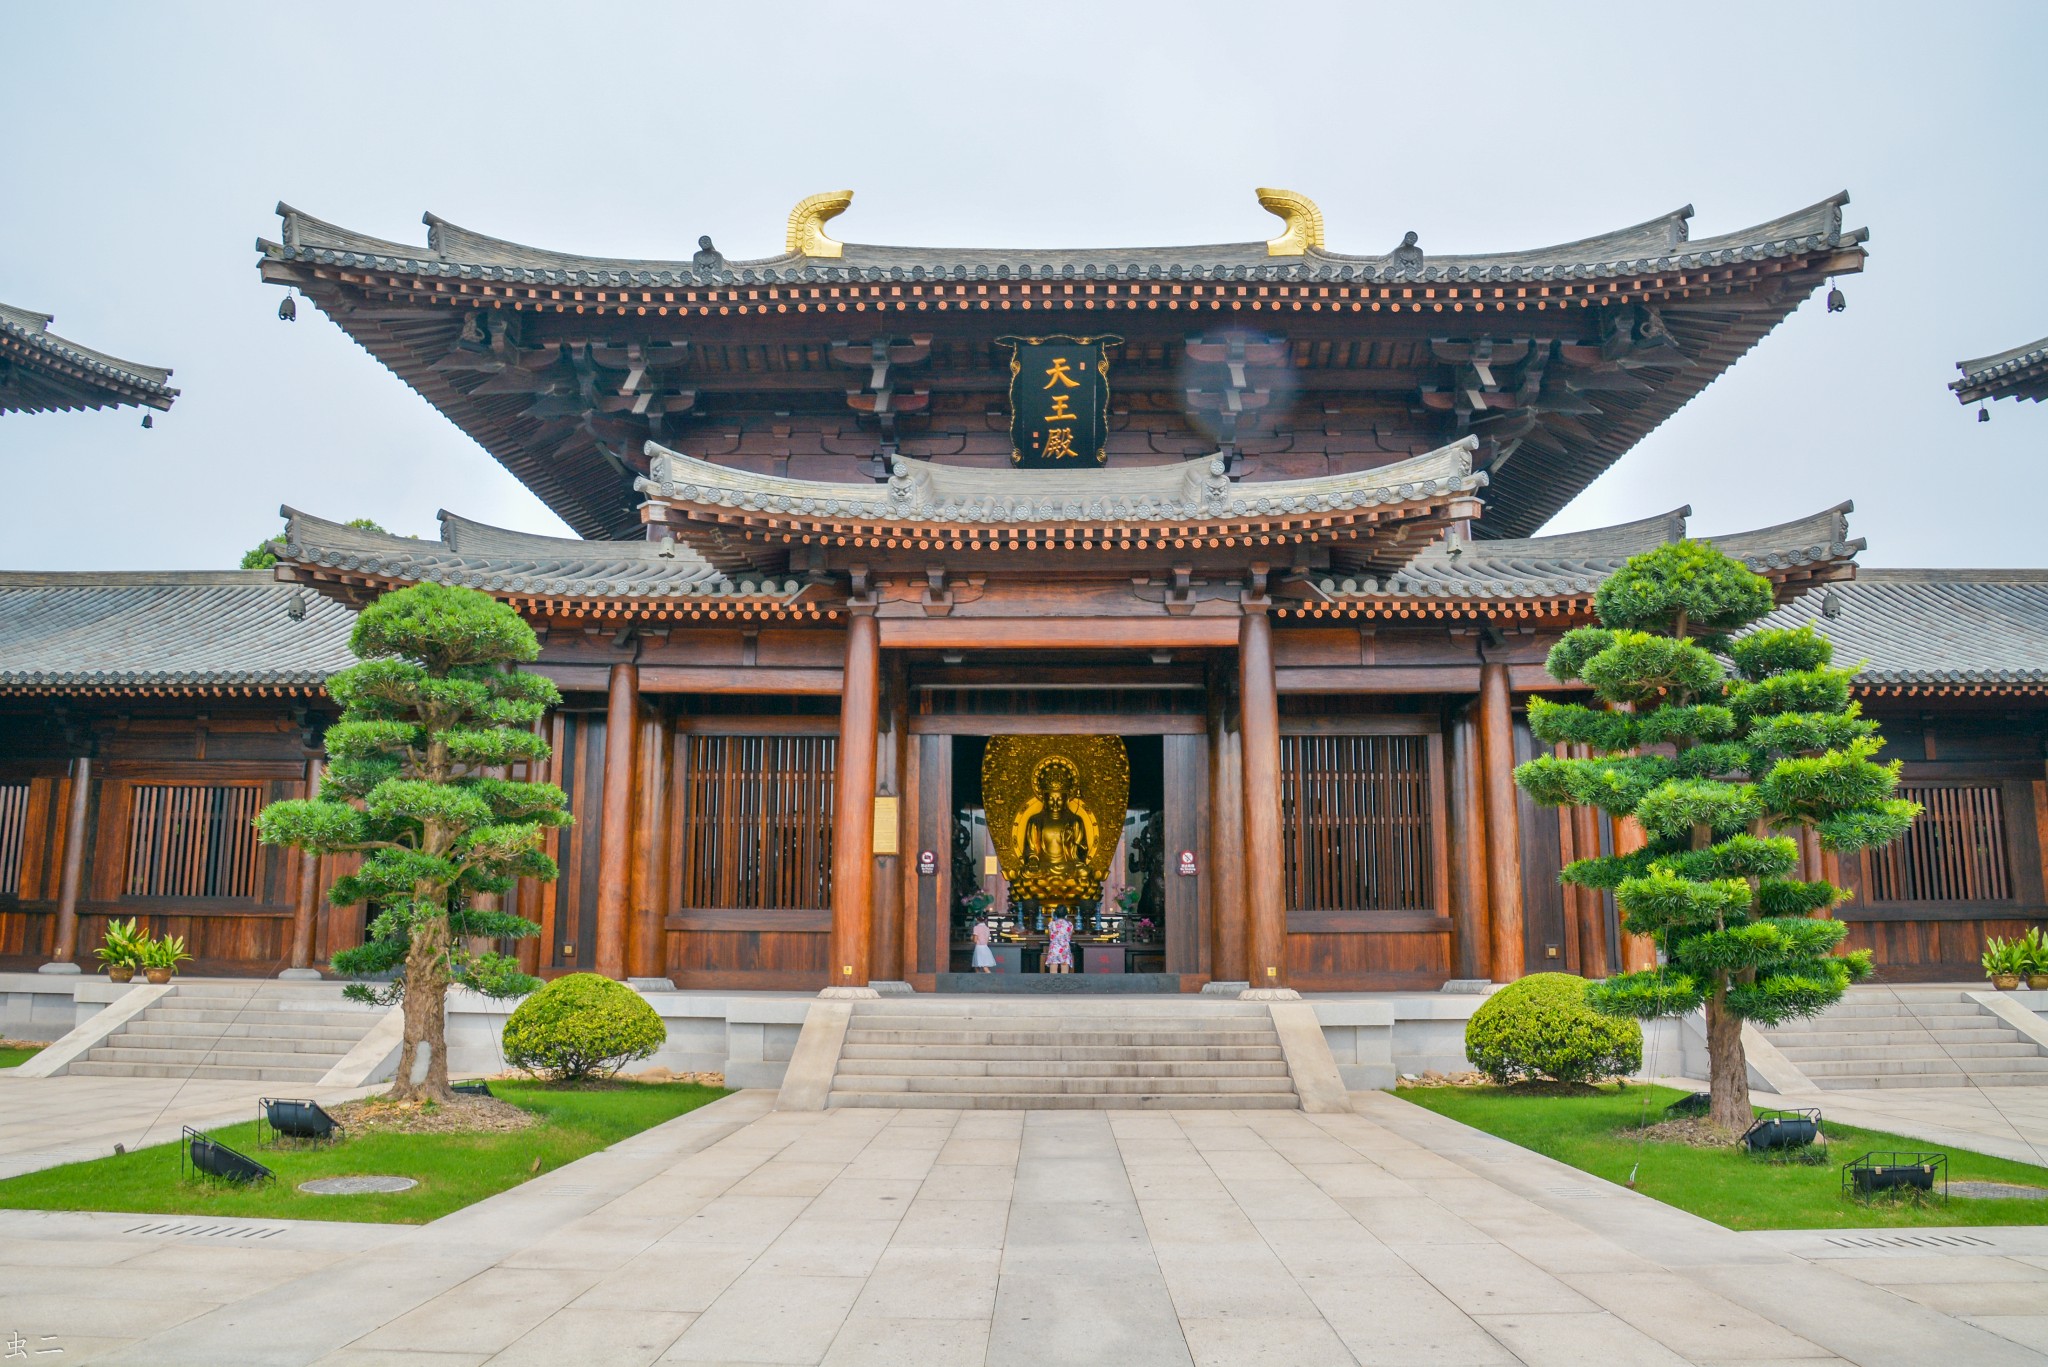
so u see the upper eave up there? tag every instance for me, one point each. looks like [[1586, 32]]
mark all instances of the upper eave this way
[[542, 574], [1658, 247], [2021, 373], [1553, 579], [53, 374]]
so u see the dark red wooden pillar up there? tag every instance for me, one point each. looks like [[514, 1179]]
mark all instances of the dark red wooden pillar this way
[[1225, 874], [615, 847], [1265, 877], [1503, 823], [64, 953], [853, 814], [307, 905]]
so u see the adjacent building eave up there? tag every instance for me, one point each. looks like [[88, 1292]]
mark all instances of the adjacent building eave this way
[[1936, 633], [2021, 373], [41, 372]]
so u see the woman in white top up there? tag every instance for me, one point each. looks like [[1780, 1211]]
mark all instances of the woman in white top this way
[[984, 957]]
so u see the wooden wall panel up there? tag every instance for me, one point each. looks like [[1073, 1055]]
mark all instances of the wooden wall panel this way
[[1544, 928], [1368, 963], [765, 960], [1186, 818]]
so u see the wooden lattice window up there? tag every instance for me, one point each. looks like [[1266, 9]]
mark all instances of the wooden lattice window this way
[[193, 840], [1355, 816], [757, 825], [13, 836], [1955, 851]]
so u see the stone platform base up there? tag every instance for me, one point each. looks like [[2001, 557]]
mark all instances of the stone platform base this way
[[1059, 984]]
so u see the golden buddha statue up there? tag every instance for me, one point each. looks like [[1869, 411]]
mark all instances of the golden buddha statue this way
[[1055, 837]]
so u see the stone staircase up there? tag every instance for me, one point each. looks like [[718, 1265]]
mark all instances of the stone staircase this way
[[255, 1032], [1910, 1037], [1066, 1053]]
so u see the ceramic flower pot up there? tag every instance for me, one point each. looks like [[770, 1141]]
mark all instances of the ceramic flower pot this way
[[2004, 982], [2038, 982], [121, 973], [157, 976]]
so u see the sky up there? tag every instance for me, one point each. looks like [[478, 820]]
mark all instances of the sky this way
[[149, 142]]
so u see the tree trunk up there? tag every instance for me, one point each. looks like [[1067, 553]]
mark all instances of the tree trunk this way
[[1727, 1065], [426, 1021]]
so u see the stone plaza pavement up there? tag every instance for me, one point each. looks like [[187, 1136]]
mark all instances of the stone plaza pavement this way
[[932, 1238]]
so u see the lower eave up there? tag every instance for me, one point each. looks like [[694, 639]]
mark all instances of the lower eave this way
[[807, 607]]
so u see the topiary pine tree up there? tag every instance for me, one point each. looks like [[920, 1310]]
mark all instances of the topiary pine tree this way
[[429, 714], [1717, 769]]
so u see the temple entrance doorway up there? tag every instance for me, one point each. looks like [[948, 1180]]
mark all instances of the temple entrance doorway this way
[[1117, 934]]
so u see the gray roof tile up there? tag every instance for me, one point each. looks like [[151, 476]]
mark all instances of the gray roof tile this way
[[1935, 627], [2021, 373], [207, 630]]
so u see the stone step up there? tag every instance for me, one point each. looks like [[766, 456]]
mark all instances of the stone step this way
[[1044, 1068], [1960, 1054], [261, 1044], [1884, 1067], [363, 1020], [1066, 1101], [1050, 1025], [1065, 1086], [1904, 1034], [88, 1067], [1118, 1039], [1060, 1012], [147, 1024], [186, 1058], [1844, 1010], [1896, 1020], [1158, 1053], [1944, 1080]]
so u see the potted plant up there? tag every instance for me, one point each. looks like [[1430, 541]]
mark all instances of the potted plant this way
[[161, 957], [2004, 961], [2035, 948], [120, 951]]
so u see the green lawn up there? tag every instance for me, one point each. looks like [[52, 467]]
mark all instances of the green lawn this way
[[1727, 1186], [14, 1058], [453, 1170]]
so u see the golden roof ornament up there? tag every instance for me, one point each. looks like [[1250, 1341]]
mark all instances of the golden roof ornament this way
[[807, 224], [1303, 219]]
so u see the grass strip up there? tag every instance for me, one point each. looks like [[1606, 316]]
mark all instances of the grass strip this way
[[1727, 1186], [453, 1170], [14, 1058]]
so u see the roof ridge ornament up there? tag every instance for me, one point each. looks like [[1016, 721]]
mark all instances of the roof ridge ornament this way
[[1303, 219], [806, 234]]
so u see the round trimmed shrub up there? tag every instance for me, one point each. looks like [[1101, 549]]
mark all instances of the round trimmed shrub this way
[[1542, 1026], [582, 1026]]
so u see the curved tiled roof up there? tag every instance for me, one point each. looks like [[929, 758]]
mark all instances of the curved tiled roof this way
[[1574, 563], [1965, 629], [2021, 373], [41, 372], [1658, 245], [209, 631], [521, 564], [923, 490]]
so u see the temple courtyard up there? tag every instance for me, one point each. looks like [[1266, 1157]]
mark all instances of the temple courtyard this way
[[741, 1234]]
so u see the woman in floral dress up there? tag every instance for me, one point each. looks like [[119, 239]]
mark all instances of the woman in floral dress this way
[[1059, 948]]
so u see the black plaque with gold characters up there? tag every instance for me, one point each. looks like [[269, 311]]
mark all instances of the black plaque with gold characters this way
[[1055, 809], [1059, 401]]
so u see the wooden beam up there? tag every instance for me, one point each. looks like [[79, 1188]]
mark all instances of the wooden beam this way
[[1378, 679], [1057, 724], [739, 679], [621, 728], [1043, 633], [1503, 822], [1265, 877], [853, 863]]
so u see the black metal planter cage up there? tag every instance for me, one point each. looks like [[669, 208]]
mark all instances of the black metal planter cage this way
[[1699, 1103], [1895, 1172], [1777, 1132], [284, 1123], [474, 1087], [197, 1153]]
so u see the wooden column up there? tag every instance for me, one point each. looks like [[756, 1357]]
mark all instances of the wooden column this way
[[885, 960], [1225, 874], [1265, 875], [307, 905], [853, 812], [65, 950], [646, 939], [615, 848], [1503, 824], [1471, 927]]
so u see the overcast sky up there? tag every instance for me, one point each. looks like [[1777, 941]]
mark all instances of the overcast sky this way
[[147, 144]]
